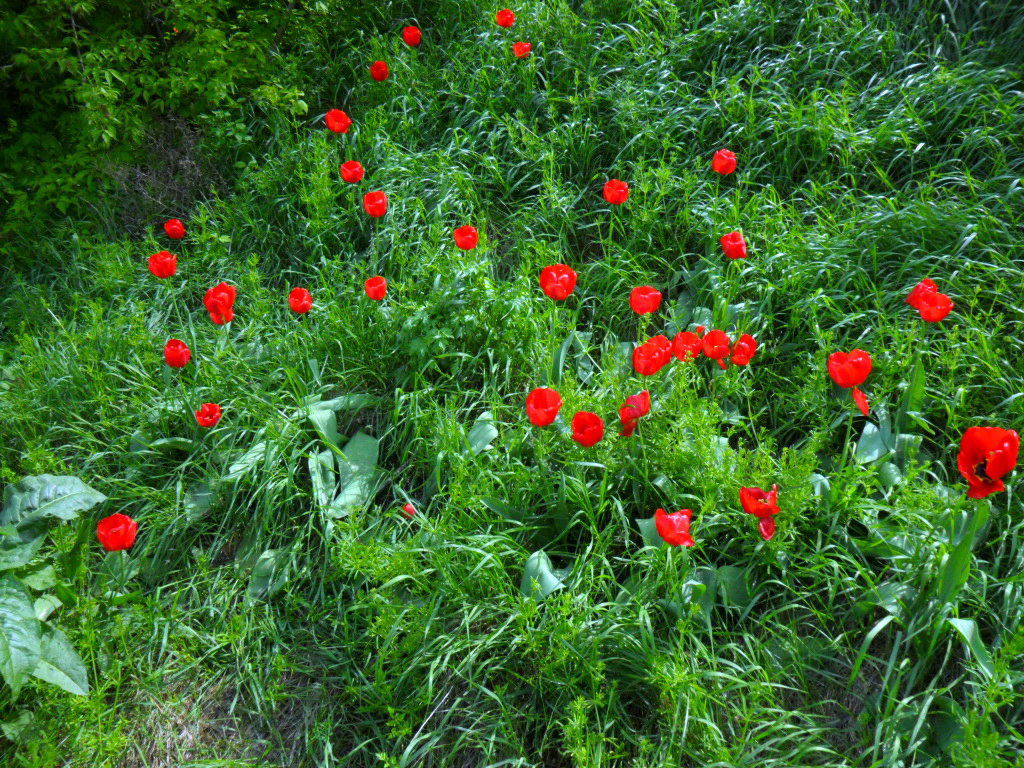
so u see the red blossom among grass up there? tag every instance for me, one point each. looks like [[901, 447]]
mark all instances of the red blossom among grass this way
[[744, 349], [163, 264], [849, 371], [764, 505], [675, 528], [542, 406], [521, 50], [558, 281], [174, 229], [412, 36], [208, 414], [379, 71], [300, 300], [587, 428], [505, 18], [375, 203], [466, 238], [932, 305], [616, 192], [734, 246], [352, 171], [653, 355], [376, 288], [220, 303], [176, 353], [724, 162], [716, 346], [644, 300], [337, 121], [117, 532], [987, 455], [635, 408]]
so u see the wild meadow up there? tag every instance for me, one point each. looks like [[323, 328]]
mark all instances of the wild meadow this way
[[363, 522]]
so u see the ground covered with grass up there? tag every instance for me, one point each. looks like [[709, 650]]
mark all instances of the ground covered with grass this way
[[280, 609]]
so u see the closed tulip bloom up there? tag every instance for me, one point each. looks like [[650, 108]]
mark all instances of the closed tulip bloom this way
[[379, 71], [724, 162], [521, 50], [300, 300], [987, 454], [174, 229], [744, 349], [412, 36], [337, 121], [505, 18], [716, 346], [466, 238], [376, 288], [675, 528], [352, 171], [687, 345], [163, 264], [587, 428], [763, 505], [408, 510], [644, 300], [117, 532], [375, 203], [558, 281], [653, 355], [220, 302], [932, 305], [849, 371], [635, 408], [176, 353], [542, 406], [208, 414], [616, 192], [734, 246]]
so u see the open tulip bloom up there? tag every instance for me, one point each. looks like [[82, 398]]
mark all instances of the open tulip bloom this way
[[653, 355], [558, 281], [849, 371], [763, 505], [987, 455], [635, 408], [587, 428], [337, 121], [674, 528], [542, 406]]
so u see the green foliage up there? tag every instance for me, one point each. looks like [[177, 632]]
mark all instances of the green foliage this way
[[286, 612]]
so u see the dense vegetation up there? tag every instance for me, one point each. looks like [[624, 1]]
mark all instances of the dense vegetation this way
[[257, 621]]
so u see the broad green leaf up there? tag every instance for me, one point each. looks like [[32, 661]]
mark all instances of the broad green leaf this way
[[649, 532], [326, 423], [875, 442], [18, 728], [357, 474], [258, 455], [197, 501], [889, 474], [269, 574], [60, 664], [482, 434], [538, 568], [16, 551], [321, 476], [41, 496], [20, 640], [733, 582], [45, 605], [350, 402], [968, 629], [170, 445], [40, 579]]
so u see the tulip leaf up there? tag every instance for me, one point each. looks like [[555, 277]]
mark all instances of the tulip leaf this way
[[538, 569], [60, 664], [19, 728], [269, 574], [41, 496], [875, 442], [733, 581], [168, 445], [913, 396], [357, 474], [197, 501], [968, 629], [325, 421], [649, 532], [18, 550], [321, 476], [44, 605], [482, 433], [20, 636]]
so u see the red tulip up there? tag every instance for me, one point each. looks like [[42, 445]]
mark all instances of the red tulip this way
[[219, 302], [763, 505], [177, 353], [412, 36], [408, 509], [466, 238], [505, 18], [616, 192], [174, 229], [117, 532], [521, 50], [208, 414], [653, 355], [744, 349], [352, 171], [558, 281], [375, 203], [687, 345], [850, 371], [986, 455], [300, 300], [716, 346], [930, 304], [379, 71], [542, 406], [587, 428], [163, 264], [635, 407], [734, 246], [376, 288], [674, 528], [724, 162], [644, 300], [337, 121]]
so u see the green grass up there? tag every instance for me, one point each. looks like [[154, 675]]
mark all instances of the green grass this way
[[877, 146]]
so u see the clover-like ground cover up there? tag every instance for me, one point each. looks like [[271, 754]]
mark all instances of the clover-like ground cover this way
[[880, 626]]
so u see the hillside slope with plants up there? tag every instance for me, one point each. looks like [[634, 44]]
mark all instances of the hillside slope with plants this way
[[642, 453]]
